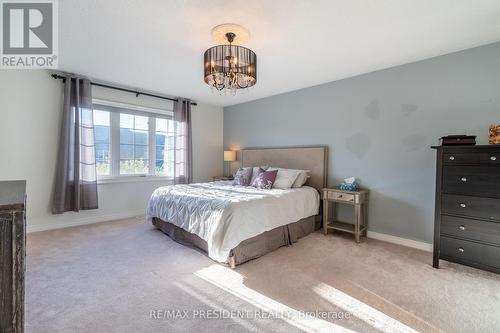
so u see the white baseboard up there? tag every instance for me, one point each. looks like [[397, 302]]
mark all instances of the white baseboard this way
[[71, 222], [401, 241]]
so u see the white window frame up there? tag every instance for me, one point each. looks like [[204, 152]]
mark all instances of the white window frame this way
[[152, 113]]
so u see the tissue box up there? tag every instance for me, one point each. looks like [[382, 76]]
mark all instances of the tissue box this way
[[349, 187]]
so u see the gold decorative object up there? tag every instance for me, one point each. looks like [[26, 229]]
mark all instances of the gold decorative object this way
[[494, 135]]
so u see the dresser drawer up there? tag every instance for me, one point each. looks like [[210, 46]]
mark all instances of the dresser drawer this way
[[486, 208], [473, 180], [490, 158], [470, 252], [341, 196], [488, 232]]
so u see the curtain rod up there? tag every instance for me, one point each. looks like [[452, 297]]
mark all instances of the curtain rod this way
[[136, 92]]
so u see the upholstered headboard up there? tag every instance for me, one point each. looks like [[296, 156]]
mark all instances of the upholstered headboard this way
[[313, 158]]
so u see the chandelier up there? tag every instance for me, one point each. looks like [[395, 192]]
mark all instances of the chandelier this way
[[230, 67]]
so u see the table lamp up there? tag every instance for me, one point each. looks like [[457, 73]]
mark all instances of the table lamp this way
[[229, 156]]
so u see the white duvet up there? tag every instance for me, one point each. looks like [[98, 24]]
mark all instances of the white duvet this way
[[224, 215]]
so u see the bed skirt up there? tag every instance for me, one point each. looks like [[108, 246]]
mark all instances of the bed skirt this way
[[250, 248]]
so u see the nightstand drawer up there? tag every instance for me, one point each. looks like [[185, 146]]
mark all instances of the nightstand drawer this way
[[341, 196]]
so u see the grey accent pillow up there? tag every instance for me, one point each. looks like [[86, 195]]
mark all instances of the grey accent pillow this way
[[301, 179], [285, 178], [243, 176], [265, 179]]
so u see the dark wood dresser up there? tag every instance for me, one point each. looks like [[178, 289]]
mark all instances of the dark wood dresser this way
[[467, 215], [12, 255]]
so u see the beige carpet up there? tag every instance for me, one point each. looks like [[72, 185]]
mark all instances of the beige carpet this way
[[125, 276]]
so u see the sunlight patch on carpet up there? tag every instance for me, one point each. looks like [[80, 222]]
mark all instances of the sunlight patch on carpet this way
[[373, 317], [232, 282]]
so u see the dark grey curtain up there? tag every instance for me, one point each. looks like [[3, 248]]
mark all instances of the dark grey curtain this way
[[183, 160], [76, 180]]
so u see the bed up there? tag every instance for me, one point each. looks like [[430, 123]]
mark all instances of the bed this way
[[234, 224]]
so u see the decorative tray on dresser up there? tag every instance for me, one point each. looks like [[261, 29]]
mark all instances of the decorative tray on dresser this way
[[467, 213]]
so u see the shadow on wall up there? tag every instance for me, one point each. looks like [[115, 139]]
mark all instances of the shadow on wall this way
[[372, 110], [415, 142], [358, 144], [408, 109], [388, 211], [384, 213]]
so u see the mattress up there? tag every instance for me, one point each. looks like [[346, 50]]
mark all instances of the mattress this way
[[224, 215]]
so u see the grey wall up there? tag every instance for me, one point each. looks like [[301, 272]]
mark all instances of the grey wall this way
[[379, 127]]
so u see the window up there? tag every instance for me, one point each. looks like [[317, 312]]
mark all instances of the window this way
[[134, 144], [102, 137], [164, 137], [133, 140]]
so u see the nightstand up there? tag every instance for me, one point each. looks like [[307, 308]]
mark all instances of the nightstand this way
[[357, 199], [216, 178]]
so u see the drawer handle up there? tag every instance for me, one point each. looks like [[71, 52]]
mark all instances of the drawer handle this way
[[463, 205], [493, 158], [340, 195], [461, 250], [452, 158], [463, 179], [461, 227]]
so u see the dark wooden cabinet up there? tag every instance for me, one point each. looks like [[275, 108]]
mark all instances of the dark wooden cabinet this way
[[467, 212], [12, 255]]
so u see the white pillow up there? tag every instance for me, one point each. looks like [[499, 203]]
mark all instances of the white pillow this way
[[285, 178], [255, 170], [301, 179]]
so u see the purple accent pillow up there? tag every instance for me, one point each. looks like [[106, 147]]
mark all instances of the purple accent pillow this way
[[256, 172], [243, 176], [265, 179]]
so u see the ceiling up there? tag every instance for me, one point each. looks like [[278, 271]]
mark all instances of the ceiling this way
[[158, 45]]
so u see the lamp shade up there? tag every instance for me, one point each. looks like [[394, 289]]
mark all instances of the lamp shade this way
[[229, 155]]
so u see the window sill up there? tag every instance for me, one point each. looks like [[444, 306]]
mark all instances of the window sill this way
[[133, 179]]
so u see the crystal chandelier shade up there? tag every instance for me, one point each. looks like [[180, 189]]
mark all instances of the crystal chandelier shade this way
[[230, 67]]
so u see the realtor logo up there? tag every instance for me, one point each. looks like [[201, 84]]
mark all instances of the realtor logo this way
[[29, 34]]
